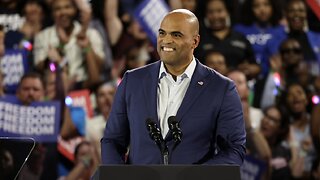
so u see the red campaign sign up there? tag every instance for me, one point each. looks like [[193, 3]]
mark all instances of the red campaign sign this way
[[66, 148], [315, 6], [81, 98]]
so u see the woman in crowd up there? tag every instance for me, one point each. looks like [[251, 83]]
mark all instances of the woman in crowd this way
[[260, 24], [275, 128], [296, 103]]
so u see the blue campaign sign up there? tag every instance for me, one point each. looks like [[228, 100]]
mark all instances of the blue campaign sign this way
[[13, 64], [149, 14], [40, 120], [252, 168]]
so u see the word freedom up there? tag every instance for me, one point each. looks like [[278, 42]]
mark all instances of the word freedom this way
[[27, 120]]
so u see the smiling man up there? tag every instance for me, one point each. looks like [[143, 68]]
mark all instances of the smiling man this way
[[205, 106]]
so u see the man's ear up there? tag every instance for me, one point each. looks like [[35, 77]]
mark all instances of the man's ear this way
[[196, 41]]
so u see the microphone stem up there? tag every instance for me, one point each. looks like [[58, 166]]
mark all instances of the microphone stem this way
[[165, 153]]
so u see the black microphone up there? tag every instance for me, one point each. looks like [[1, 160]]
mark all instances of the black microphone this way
[[156, 136], [175, 129], [154, 131]]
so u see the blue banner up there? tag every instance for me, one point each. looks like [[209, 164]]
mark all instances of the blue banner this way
[[40, 120], [252, 168], [13, 64], [149, 14]]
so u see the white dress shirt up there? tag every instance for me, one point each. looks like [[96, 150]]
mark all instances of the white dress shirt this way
[[171, 93]]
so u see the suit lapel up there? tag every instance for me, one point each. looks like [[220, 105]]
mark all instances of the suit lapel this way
[[197, 85], [150, 84]]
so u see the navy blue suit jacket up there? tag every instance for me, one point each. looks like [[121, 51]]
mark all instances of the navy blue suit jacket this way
[[210, 118]]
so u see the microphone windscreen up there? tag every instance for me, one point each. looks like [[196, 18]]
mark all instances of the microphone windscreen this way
[[149, 121], [172, 120]]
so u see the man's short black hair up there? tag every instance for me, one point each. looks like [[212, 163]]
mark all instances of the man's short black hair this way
[[34, 75]]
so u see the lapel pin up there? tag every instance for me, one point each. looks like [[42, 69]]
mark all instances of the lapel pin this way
[[200, 83]]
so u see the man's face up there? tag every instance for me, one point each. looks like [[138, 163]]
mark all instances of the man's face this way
[[30, 90], [63, 12], [241, 83], [105, 98], [177, 40]]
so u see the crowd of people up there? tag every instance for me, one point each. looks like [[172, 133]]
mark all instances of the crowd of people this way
[[269, 48]]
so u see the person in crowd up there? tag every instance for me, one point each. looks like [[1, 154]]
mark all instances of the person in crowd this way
[[95, 126], [275, 128], [73, 118], [30, 89], [260, 24], [217, 34], [43, 160], [296, 102], [178, 86], [85, 163], [12, 20], [253, 114], [33, 88], [96, 9], [216, 61], [296, 15], [55, 89], [75, 47], [256, 143], [34, 13], [132, 41], [286, 69]]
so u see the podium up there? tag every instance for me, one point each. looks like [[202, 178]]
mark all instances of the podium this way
[[167, 172]]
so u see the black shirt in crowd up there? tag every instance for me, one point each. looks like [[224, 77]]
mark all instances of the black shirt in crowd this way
[[235, 47]]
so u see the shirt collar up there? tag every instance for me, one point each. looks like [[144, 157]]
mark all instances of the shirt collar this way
[[188, 72]]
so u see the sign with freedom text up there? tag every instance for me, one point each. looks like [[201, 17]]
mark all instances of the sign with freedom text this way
[[40, 120]]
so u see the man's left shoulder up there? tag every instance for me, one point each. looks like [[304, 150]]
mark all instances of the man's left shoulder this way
[[147, 70]]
